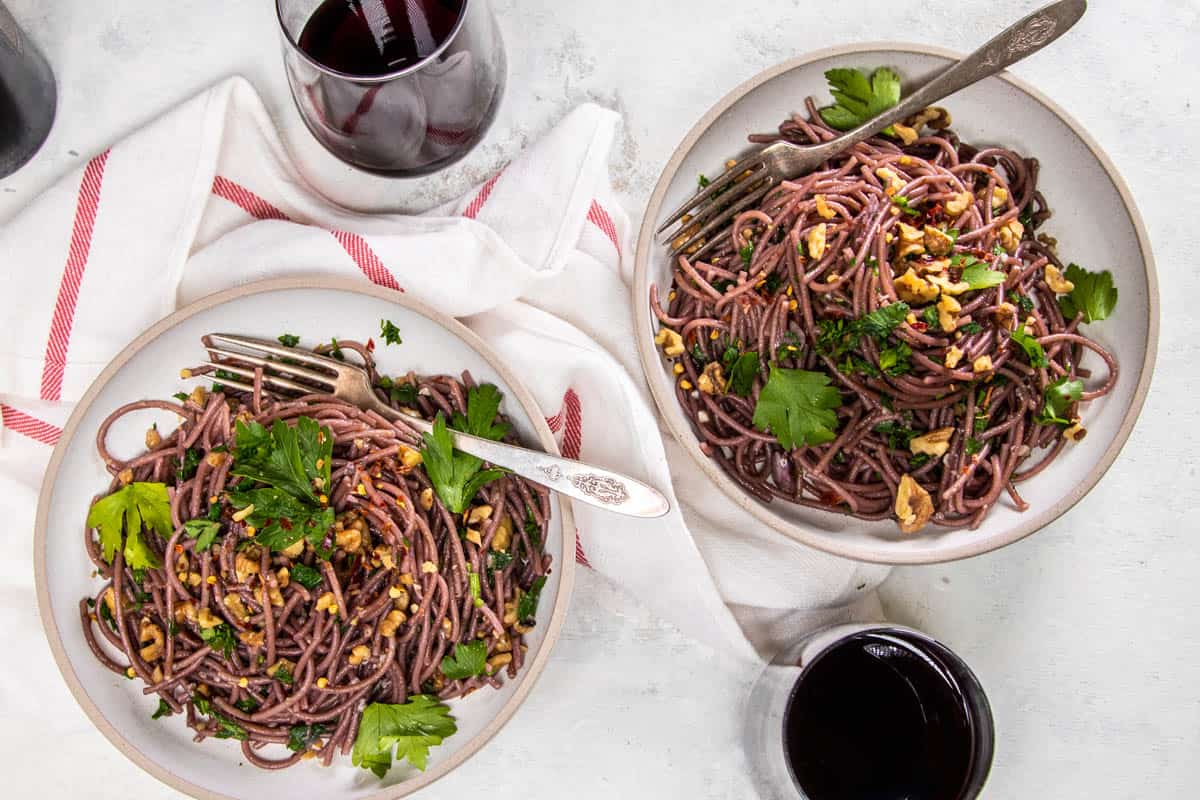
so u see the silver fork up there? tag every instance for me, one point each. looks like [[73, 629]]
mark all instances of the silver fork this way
[[309, 373], [748, 181]]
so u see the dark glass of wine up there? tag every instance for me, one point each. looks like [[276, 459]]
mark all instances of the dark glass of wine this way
[[869, 712], [394, 87], [27, 96]]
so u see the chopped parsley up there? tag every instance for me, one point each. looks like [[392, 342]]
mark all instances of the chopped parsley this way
[[1032, 347], [302, 737], [880, 323], [971, 328], [528, 604], [294, 463], [703, 181], [1021, 301], [1058, 397], [895, 360], [163, 710], [930, 317], [306, 576], [973, 446], [898, 435], [289, 339], [747, 253], [203, 531], [247, 704], [743, 373], [220, 639], [978, 276], [467, 661], [532, 529], [402, 393], [498, 560], [473, 586], [389, 332], [226, 728], [790, 344], [904, 205], [185, 467]]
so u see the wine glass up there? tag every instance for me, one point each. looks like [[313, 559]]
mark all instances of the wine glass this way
[[394, 87], [27, 96]]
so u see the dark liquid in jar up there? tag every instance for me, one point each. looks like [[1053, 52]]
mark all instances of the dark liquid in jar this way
[[377, 37], [879, 717]]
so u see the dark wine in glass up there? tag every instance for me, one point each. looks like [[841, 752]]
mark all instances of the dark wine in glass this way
[[395, 87], [869, 712], [27, 96]]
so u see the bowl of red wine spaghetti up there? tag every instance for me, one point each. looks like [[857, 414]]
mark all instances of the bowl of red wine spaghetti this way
[[928, 348], [254, 595]]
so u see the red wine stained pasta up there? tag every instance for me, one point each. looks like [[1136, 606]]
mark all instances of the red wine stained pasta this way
[[294, 563], [888, 336]]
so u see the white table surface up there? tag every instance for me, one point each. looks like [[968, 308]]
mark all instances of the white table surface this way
[[1085, 635]]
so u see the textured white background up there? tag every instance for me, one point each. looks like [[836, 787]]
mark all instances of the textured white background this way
[[1085, 635]]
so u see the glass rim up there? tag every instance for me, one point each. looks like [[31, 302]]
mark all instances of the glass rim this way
[[389, 76]]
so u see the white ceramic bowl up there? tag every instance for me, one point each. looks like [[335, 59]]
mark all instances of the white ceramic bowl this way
[[149, 368], [1095, 221]]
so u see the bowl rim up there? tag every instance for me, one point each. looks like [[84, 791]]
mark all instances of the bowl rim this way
[[881, 552], [532, 669]]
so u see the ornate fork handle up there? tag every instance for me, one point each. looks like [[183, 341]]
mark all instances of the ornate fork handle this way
[[587, 483], [1014, 43]]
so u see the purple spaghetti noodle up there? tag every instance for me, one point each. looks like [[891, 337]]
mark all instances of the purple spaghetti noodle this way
[[940, 415], [399, 577]]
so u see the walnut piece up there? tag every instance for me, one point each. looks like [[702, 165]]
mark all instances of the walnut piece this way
[[914, 507]]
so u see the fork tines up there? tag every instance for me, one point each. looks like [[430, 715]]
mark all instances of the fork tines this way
[[283, 368], [710, 209]]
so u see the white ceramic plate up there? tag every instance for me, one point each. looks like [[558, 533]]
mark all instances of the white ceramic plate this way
[[149, 368], [1095, 221]]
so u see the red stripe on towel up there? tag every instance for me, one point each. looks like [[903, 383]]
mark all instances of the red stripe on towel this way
[[485, 191], [34, 428], [602, 220], [68, 289]]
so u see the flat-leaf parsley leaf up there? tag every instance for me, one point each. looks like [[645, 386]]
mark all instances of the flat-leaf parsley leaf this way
[[858, 98], [125, 511], [410, 728], [1094, 294], [798, 407]]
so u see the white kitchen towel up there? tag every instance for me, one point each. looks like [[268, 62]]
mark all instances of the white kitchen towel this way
[[535, 260]]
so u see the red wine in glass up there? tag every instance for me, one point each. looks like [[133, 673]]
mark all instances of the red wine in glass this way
[[869, 712], [395, 87]]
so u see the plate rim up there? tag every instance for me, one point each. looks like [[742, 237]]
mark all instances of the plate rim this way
[[879, 553], [50, 627]]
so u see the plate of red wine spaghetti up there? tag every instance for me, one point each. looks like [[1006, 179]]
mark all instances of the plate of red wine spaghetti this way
[[930, 346], [257, 593]]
